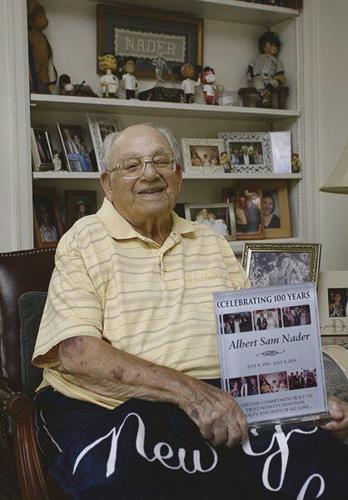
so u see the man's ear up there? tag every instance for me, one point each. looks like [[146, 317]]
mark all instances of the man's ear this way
[[106, 184]]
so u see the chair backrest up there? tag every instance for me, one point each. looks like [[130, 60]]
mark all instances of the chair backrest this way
[[20, 272]]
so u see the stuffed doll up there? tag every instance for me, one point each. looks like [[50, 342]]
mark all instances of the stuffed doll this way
[[267, 72], [43, 74], [208, 79], [108, 81]]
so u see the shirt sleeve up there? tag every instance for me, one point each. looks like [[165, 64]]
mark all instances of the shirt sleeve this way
[[237, 274], [73, 306]]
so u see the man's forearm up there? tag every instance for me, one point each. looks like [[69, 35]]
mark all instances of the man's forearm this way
[[108, 371]]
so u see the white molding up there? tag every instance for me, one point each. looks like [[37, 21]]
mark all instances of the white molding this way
[[310, 142], [15, 186]]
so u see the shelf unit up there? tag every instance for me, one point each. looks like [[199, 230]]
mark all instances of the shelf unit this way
[[236, 25]]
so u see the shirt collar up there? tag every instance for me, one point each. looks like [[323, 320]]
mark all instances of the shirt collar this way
[[120, 229]]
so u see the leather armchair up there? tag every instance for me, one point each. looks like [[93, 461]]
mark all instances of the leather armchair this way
[[21, 471]]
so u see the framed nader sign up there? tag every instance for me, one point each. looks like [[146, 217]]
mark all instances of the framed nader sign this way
[[127, 30]]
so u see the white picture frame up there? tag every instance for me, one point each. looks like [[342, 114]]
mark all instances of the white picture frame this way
[[203, 156], [257, 157], [41, 149], [219, 217], [333, 313], [100, 125], [281, 152]]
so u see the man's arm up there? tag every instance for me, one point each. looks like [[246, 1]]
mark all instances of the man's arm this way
[[106, 370]]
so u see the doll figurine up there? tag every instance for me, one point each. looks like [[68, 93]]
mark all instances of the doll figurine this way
[[208, 79], [267, 72], [43, 74], [130, 81], [108, 81], [188, 84]]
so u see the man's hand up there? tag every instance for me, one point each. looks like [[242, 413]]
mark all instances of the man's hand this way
[[215, 412], [339, 414]]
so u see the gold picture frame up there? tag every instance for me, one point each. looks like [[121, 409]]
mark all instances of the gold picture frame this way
[[271, 264], [48, 226]]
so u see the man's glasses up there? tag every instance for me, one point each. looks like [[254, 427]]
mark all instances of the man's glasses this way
[[134, 166]]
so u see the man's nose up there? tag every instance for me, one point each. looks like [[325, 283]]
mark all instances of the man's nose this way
[[150, 170]]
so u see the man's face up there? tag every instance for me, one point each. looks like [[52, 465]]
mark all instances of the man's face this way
[[154, 194], [245, 150]]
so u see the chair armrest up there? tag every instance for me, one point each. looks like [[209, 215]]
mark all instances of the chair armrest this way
[[30, 475]]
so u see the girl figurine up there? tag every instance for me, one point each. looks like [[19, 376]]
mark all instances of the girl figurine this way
[[130, 82], [188, 85], [208, 79], [109, 81], [267, 72]]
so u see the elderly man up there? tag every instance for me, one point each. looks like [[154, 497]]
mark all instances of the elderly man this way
[[129, 406]]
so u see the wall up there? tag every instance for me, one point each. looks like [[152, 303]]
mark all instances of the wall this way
[[332, 94]]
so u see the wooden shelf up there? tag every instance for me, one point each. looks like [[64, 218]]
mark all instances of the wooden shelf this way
[[224, 10], [43, 102]]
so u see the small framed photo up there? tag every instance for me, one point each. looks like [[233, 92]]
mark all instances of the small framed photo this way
[[78, 204], [75, 148], [41, 149], [269, 264], [203, 156], [247, 206], [333, 302], [218, 217], [249, 152], [100, 126], [281, 152], [48, 227]]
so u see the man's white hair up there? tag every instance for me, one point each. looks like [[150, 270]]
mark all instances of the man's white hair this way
[[110, 140]]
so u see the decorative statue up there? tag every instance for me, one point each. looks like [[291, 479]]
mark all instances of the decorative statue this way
[[109, 81], [188, 85], [57, 162], [161, 66], [267, 72], [130, 81], [208, 79], [43, 74]]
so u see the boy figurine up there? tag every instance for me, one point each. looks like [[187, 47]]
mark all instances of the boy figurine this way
[[109, 81], [267, 72], [188, 84], [130, 81]]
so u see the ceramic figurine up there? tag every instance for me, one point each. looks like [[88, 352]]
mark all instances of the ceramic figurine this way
[[208, 80], [108, 81], [57, 162], [43, 74], [267, 72], [130, 81], [189, 85], [161, 66]]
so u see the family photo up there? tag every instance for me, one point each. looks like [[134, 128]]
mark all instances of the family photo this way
[[273, 382], [204, 156], [75, 148], [302, 379], [218, 217], [296, 315], [237, 323], [338, 302], [244, 386], [245, 153]]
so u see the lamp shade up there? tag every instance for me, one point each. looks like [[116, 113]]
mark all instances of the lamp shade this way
[[338, 180]]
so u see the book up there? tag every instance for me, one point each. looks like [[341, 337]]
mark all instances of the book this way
[[270, 352]]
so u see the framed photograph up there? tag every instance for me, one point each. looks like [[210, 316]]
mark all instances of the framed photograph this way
[[333, 302], [48, 227], [75, 148], [275, 206], [269, 264], [249, 152], [247, 206], [203, 156], [100, 126], [219, 217], [281, 152], [41, 149], [128, 30], [78, 204]]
